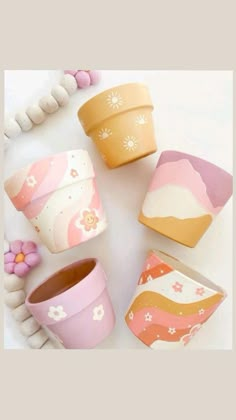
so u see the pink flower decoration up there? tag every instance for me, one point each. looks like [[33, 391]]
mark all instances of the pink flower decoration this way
[[200, 291], [187, 337], [21, 257], [177, 287]]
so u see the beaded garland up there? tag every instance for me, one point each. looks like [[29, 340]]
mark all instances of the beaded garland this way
[[59, 96]]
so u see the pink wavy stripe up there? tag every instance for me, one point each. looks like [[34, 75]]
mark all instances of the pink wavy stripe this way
[[39, 171], [166, 319], [35, 208], [182, 173], [95, 203], [53, 177], [75, 235]]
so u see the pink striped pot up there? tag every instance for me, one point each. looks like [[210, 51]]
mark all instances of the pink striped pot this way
[[171, 302], [59, 196], [74, 305]]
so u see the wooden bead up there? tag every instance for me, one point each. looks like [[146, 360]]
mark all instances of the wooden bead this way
[[60, 94], [13, 282], [69, 83], [14, 299], [48, 104], [48, 345], [37, 340], [21, 313], [29, 326], [24, 121], [11, 128], [36, 114]]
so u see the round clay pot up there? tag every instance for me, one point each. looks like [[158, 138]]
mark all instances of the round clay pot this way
[[119, 121], [171, 302], [184, 196], [74, 305], [59, 196]]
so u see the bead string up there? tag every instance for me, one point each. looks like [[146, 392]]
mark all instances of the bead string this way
[[58, 97]]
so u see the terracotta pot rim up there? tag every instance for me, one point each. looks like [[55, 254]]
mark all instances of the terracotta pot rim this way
[[80, 295], [141, 100]]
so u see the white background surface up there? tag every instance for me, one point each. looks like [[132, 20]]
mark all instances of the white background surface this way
[[192, 113]]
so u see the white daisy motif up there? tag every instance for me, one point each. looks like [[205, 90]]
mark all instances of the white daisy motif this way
[[171, 331], [31, 181], [149, 278], [201, 311], [131, 315], [56, 312], [114, 100], [148, 317], [104, 133], [130, 143], [141, 120], [98, 313], [104, 157]]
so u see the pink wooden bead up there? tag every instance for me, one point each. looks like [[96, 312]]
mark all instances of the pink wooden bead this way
[[94, 76], [82, 79], [72, 72]]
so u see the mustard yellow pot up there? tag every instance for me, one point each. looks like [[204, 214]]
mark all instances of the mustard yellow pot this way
[[119, 121]]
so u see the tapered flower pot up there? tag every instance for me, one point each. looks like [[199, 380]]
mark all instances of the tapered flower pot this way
[[59, 196], [184, 196], [119, 121], [74, 305], [171, 303]]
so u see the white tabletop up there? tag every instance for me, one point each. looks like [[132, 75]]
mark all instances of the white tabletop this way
[[193, 113]]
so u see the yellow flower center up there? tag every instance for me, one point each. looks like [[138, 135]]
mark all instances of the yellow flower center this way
[[19, 257]]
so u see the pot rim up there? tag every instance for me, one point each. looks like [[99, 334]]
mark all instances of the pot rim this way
[[21, 201], [75, 298], [139, 100]]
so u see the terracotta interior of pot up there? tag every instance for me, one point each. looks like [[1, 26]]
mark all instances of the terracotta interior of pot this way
[[62, 281], [187, 271]]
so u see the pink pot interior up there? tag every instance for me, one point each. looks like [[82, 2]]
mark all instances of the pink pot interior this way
[[62, 281]]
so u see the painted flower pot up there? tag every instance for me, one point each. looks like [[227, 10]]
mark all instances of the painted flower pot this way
[[171, 302], [59, 196], [74, 305], [119, 121], [184, 196]]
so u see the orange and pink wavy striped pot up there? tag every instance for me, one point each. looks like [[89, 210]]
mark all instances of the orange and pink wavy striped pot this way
[[171, 303], [59, 196]]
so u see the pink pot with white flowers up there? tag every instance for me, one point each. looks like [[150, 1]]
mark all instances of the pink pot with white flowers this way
[[59, 196], [74, 305]]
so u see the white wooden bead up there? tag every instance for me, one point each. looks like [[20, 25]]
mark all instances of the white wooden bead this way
[[6, 246], [48, 104], [14, 299], [24, 121], [7, 143], [48, 345], [11, 128], [60, 94], [36, 114], [21, 313], [29, 326], [69, 83], [13, 282], [38, 339]]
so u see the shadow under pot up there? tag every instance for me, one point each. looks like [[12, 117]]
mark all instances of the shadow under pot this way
[[119, 121], [171, 302], [74, 305], [60, 198], [185, 195]]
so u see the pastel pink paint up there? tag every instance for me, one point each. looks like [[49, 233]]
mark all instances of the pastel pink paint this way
[[74, 305], [45, 197], [166, 319]]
